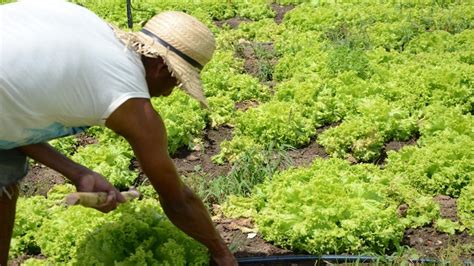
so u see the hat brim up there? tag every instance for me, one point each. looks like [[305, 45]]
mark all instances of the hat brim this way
[[185, 73]]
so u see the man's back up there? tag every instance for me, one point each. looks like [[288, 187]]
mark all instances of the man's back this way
[[61, 69]]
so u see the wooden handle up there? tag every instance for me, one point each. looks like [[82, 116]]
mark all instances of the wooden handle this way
[[96, 199]]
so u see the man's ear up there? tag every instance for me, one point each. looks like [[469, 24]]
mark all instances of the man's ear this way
[[160, 67], [154, 66]]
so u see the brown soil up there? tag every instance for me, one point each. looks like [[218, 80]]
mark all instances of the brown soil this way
[[260, 58], [245, 105], [398, 145], [448, 207], [83, 140], [187, 161], [305, 156], [432, 243], [233, 23], [39, 180], [197, 161], [280, 11], [393, 145], [242, 238]]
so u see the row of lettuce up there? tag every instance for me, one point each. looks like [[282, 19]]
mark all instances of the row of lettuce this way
[[136, 233], [370, 72]]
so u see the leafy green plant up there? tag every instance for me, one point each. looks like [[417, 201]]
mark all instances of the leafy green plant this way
[[438, 119], [222, 110], [137, 232], [465, 207], [372, 72], [183, 117], [330, 207], [273, 123], [234, 149], [364, 134], [343, 58], [438, 168], [448, 226], [29, 217], [112, 161], [238, 87], [66, 145], [276, 122]]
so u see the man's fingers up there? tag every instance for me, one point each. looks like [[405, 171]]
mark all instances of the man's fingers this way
[[120, 198], [110, 204]]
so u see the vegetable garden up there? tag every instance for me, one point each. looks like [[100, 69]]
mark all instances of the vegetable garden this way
[[334, 127]]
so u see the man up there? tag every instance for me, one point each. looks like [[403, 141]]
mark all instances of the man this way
[[63, 69]]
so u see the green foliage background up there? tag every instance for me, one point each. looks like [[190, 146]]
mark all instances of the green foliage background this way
[[370, 71]]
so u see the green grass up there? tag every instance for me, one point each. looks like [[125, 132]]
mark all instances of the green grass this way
[[252, 168]]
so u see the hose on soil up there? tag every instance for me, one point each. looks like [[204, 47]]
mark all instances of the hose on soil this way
[[336, 259]]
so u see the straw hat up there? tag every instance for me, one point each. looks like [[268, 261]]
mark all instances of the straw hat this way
[[185, 44]]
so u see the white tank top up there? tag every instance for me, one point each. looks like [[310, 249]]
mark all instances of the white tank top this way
[[61, 70]]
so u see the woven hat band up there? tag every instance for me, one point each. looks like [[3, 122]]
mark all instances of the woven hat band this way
[[184, 56]]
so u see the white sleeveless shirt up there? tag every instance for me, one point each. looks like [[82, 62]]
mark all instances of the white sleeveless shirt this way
[[61, 70]]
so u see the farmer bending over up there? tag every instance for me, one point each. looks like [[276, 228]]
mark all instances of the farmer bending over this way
[[63, 69]]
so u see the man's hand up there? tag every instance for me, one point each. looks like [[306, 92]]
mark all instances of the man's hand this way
[[83, 178], [91, 181], [143, 128]]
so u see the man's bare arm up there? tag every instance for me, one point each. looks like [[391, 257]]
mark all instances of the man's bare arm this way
[[47, 155], [138, 122], [83, 178]]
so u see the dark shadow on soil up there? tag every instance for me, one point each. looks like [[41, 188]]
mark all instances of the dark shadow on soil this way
[[280, 11], [393, 145], [305, 156], [187, 161], [197, 161], [233, 23]]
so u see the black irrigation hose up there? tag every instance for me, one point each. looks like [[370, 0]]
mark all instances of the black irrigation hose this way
[[129, 14], [333, 259]]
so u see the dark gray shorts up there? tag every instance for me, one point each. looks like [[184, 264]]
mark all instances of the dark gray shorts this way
[[13, 167]]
